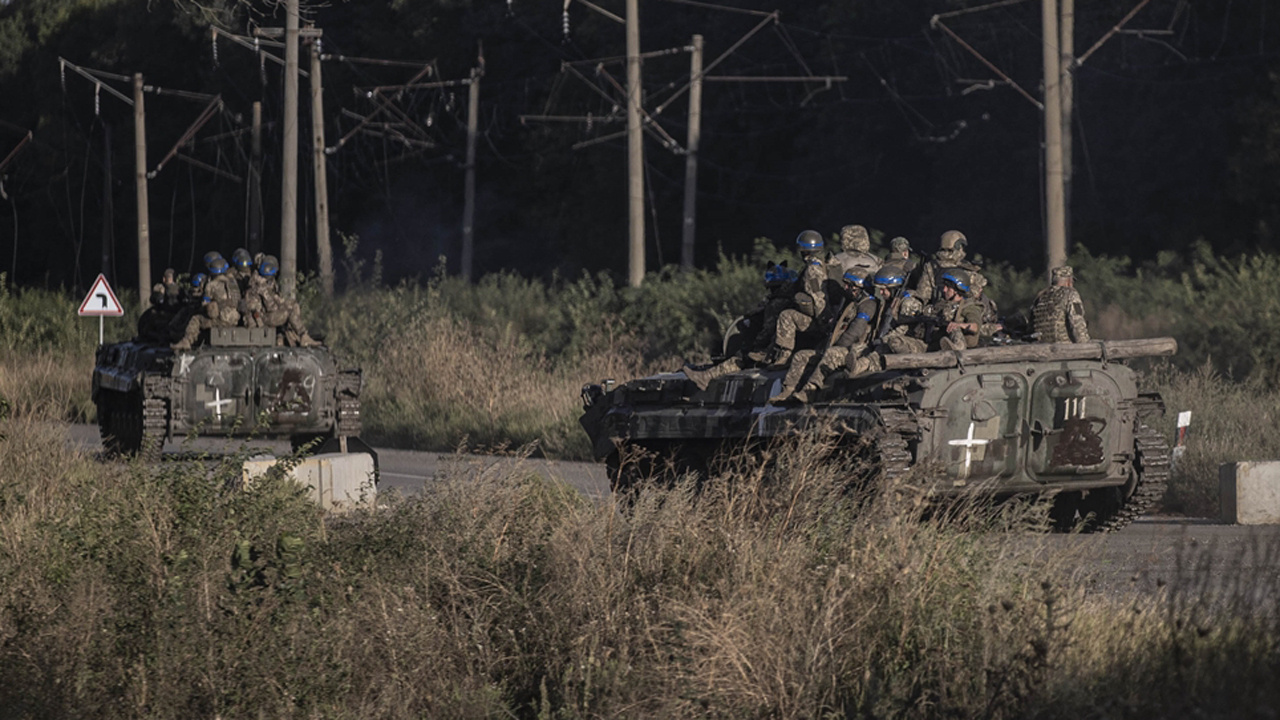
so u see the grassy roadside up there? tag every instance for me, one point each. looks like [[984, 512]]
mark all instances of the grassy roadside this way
[[137, 592]]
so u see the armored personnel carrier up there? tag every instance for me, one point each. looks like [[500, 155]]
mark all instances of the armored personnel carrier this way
[[238, 384], [1003, 421]]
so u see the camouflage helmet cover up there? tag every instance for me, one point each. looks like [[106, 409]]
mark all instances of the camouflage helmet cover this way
[[198, 279], [211, 256], [854, 238], [1063, 272], [241, 258], [856, 276], [809, 240], [217, 266], [900, 244], [953, 239]]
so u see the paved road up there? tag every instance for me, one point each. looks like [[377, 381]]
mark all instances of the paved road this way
[[1154, 554], [403, 471]]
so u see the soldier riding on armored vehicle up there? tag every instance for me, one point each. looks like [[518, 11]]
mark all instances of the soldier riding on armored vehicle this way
[[224, 378], [922, 384]]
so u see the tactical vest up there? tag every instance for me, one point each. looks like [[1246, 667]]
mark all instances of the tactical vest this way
[[1049, 313]]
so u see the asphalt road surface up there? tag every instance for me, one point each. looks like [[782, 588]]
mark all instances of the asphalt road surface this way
[[1159, 554]]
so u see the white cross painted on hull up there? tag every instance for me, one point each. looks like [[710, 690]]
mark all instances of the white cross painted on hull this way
[[218, 402], [968, 443]]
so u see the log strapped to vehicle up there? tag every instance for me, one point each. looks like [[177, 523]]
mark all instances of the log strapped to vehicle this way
[[1031, 352]]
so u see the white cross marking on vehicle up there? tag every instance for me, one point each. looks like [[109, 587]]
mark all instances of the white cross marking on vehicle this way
[[218, 402], [968, 444]]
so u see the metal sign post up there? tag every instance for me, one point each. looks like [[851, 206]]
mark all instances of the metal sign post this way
[[101, 303]]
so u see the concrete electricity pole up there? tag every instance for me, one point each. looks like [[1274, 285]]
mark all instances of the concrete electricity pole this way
[[691, 155], [635, 148], [140, 183], [1067, 49], [324, 247], [469, 201], [1055, 208], [289, 161], [255, 182]]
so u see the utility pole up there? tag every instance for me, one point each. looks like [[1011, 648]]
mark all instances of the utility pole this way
[[324, 247], [289, 164], [1067, 48], [691, 155], [635, 148], [469, 204], [140, 184], [108, 206], [1055, 215], [255, 182]]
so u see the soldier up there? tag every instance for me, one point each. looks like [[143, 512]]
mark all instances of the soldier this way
[[991, 324], [950, 254], [810, 300], [762, 323], [277, 310], [242, 269], [900, 314], [848, 340], [855, 252], [959, 315], [1057, 315], [221, 300]]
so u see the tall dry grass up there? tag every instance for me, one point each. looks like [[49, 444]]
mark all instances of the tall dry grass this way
[[135, 591]]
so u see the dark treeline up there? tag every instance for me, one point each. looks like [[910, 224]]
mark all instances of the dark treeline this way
[[1177, 132]]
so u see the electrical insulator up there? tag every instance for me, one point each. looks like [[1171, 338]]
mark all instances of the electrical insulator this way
[[590, 122], [262, 67], [62, 74], [214, 35], [431, 119], [97, 99], [564, 24], [509, 10]]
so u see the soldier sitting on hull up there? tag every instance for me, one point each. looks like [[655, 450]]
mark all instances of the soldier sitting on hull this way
[[268, 308], [950, 254], [959, 316], [221, 299], [992, 327], [848, 340], [760, 327], [855, 253], [900, 315], [809, 303], [1057, 315]]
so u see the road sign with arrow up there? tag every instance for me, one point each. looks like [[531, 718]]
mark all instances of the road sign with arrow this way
[[101, 301]]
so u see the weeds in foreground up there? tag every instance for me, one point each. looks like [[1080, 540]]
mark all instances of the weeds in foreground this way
[[157, 592]]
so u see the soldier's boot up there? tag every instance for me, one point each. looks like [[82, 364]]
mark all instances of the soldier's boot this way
[[305, 340], [781, 357], [759, 356], [701, 378], [783, 396]]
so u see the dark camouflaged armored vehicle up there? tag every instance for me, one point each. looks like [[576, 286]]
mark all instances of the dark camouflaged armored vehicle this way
[[240, 383], [1016, 419]]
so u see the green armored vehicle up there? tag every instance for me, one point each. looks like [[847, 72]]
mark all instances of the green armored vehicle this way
[[240, 383], [1007, 420]]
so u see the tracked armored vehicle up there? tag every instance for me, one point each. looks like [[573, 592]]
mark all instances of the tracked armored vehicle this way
[[1002, 421], [238, 384]]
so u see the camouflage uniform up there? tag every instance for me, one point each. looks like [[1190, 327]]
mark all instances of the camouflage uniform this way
[[810, 304], [949, 255], [990, 311], [1057, 315], [852, 330], [780, 284], [284, 313], [855, 246], [221, 303]]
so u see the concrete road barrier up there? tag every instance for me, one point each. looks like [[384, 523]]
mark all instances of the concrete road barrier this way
[[1249, 493], [338, 481]]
